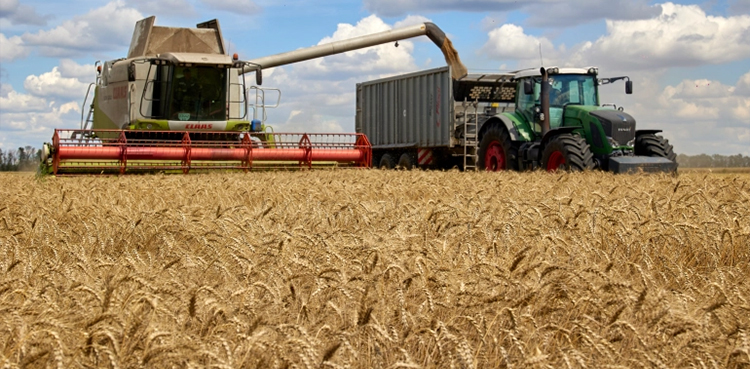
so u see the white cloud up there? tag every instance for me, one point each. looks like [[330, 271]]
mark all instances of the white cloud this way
[[319, 95], [103, 29], [171, 7], [743, 86], [30, 118], [247, 7], [411, 20], [53, 84], [697, 115], [12, 48], [85, 73], [683, 35], [377, 59], [14, 102], [510, 42], [17, 13]]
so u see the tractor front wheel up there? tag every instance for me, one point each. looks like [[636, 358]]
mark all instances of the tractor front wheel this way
[[495, 150], [567, 152], [653, 145]]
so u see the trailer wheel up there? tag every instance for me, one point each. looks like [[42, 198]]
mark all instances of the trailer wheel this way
[[653, 145], [387, 162], [567, 152], [495, 149], [406, 161]]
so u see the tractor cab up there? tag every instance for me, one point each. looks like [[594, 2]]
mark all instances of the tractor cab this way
[[567, 86]]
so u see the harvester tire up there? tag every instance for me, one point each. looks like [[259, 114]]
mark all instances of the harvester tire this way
[[567, 152], [406, 161], [387, 162], [653, 145], [496, 150]]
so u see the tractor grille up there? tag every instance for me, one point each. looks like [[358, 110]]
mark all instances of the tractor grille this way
[[616, 124]]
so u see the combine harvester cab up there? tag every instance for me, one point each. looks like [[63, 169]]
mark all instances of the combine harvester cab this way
[[178, 102]]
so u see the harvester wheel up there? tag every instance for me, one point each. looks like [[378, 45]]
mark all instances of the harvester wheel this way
[[387, 161], [653, 145], [495, 150], [567, 152], [406, 161]]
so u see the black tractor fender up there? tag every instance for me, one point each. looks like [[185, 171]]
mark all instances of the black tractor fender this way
[[555, 132], [500, 120], [647, 132]]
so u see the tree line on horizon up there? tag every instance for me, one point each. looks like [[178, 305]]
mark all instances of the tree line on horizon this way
[[23, 159], [27, 159]]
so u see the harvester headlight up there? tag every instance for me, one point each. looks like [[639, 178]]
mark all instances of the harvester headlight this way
[[46, 152], [553, 70], [593, 71]]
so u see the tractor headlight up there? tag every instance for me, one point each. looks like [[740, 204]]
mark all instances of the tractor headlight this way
[[593, 71]]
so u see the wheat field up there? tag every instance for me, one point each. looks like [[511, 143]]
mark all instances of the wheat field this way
[[375, 269]]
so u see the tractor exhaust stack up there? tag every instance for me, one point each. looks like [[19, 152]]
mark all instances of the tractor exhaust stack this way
[[544, 96]]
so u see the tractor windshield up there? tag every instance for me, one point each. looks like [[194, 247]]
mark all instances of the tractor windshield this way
[[198, 94], [575, 89], [566, 89]]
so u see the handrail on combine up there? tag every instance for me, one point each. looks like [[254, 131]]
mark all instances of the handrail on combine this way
[[119, 152]]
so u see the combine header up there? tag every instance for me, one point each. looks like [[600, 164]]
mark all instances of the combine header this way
[[179, 103], [159, 151]]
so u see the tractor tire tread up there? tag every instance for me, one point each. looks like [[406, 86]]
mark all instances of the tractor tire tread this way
[[653, 145], [501, 132], [578, 156]]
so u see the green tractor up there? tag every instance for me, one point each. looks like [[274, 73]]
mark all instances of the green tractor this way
[[559, 123]]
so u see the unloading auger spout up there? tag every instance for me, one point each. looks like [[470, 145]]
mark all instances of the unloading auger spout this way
[[428, 29]]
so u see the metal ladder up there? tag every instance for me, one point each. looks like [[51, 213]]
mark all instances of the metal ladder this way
[[470, 156]]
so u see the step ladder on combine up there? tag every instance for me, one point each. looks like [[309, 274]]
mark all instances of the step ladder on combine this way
[[89, 121], [470, 135]]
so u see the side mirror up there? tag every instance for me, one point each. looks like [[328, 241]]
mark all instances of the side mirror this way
[[258, 77], [628, 87], [528, 87], [131, 72]]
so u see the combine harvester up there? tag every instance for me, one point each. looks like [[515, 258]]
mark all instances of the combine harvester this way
[[179, 102]]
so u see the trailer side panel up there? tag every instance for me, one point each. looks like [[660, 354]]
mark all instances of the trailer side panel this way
[[410, 110]]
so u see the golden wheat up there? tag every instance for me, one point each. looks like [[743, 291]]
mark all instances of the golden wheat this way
[[361, 269]]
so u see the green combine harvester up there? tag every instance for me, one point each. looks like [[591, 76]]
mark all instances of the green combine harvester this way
[[179, 102]]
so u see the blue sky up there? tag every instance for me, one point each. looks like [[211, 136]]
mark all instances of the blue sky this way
[[689, 60]]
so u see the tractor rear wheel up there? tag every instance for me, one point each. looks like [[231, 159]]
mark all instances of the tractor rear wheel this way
[[495, 150], [567, 152], [653, 145], [387, 162], [406, 161]]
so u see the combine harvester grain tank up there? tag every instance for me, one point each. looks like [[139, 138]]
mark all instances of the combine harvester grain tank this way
[[548, 118], [179, 102]]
